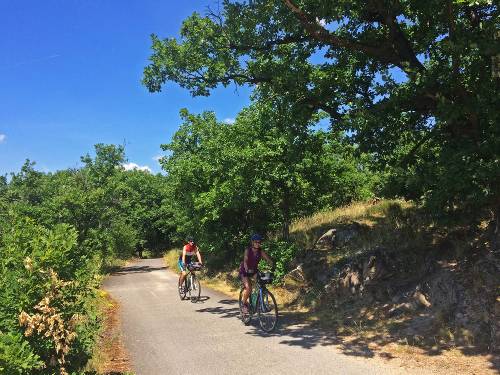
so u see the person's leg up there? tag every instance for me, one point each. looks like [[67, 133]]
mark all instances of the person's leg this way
[[247, 284], [182, 276]]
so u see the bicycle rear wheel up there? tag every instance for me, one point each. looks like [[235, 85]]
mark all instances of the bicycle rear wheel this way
[[267, 311], [194, 289], [245, 316]]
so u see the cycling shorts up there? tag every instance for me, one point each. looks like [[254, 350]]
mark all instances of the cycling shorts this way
[[181, 265]]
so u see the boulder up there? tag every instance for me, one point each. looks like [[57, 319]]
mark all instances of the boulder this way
[[338, 237], [326, 241], [374, 268], [346, 234]]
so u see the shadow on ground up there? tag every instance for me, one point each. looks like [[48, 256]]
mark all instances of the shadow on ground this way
[[294, 330], [202, 299], [134, 269], [228, 310], [291, 329]]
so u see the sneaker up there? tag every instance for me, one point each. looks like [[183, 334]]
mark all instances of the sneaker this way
[[181, 289]]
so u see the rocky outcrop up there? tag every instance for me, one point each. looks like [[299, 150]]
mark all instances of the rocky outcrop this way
[[431, 293], [338, 237], [364, 276]]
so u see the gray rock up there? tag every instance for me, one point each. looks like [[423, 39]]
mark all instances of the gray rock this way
[[326, 241]]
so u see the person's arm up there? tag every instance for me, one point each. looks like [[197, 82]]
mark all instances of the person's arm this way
[[267, 258], [245, 260], [198, 254], [184, 255]]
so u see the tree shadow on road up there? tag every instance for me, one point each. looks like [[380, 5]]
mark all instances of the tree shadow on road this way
[[296, 330], [293, 331], [202, 299], [222, 311], [133, 269]]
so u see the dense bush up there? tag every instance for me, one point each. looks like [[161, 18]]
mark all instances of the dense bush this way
[[57, 232], [282, 253], [17, 356], [47, 282]]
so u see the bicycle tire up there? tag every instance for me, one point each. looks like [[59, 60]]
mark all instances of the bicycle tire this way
[[183, 291], [245, 317], [194, 289], [267, 311]]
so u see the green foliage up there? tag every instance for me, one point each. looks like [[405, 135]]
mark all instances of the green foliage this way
[[57, 231], [30, 254], [16, 355], [410, 81], [282, 253], [228, 180]]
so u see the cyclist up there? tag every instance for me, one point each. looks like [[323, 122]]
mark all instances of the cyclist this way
[[188, 251], [248, 268]]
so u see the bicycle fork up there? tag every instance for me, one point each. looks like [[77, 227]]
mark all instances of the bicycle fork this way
[[259, 301]]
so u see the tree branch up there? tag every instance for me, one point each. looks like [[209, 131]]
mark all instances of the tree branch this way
[[268, 45], [401, 44], [403, 57]]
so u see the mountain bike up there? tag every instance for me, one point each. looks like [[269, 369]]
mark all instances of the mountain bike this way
[[262, 303], [191, 288]]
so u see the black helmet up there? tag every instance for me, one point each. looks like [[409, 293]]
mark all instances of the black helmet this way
[[190, 239]]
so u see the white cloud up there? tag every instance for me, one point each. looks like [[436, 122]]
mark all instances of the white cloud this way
[[2, 138], [132, 166], [229, 121], [157, 157]]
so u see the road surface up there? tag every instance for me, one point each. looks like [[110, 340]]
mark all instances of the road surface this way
[[165, 335]]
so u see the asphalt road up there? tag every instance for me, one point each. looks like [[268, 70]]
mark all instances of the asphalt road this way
[[165, 335]]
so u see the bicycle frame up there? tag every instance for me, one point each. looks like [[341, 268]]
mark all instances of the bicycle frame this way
[[260, 297]]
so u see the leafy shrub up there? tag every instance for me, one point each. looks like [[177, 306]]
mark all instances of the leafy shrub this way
[[282, 252], [16, 355], [55, 311]]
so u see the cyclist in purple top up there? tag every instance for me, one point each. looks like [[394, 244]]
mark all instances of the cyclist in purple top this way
[[248, 267]]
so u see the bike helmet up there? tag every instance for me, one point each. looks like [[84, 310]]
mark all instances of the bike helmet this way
[[190, 239], [256, 237]]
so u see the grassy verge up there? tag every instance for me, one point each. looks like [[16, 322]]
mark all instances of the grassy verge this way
[[109, 355]]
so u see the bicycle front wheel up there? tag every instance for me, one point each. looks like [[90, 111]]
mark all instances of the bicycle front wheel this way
[[195, 289], [267, 311], [183, 290]]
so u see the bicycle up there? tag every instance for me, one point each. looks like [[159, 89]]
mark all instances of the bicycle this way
[[191, 285], [261, 302]]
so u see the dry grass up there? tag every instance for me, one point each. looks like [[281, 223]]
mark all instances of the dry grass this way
[[110, 356], [370, 215], [171, 258], [352, 212]]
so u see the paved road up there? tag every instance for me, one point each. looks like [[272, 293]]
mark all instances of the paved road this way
[[164, 335]]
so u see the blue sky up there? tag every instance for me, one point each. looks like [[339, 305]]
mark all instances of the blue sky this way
[[70, 74]]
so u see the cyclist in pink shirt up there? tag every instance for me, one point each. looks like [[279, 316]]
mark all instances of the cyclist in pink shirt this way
[[248, 268]]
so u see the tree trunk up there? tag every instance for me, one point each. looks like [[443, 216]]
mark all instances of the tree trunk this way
[[495, 240], [285, 211]]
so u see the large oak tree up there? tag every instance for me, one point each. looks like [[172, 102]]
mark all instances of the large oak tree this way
[[411, 80]]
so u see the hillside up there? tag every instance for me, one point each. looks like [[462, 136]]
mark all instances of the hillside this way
[[382, 273], [387, 269]]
